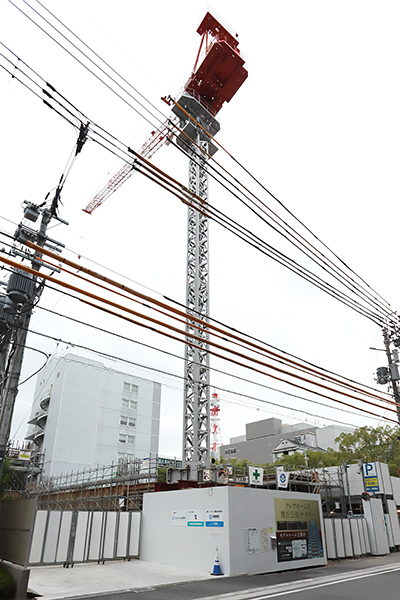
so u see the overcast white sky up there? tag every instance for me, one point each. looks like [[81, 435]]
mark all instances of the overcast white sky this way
[[317, 121]]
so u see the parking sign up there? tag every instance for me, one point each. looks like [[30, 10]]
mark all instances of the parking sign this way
[[371, 477]]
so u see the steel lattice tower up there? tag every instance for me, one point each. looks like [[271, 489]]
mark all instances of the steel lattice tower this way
[[196, 412], [218, 73], [214, 81]]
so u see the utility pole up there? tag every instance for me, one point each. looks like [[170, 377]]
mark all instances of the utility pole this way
[[22, 294], [393, 370], [391, 373]]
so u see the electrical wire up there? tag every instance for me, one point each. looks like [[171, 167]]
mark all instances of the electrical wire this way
[[237, 361], [222, 334], [174, 375], [220, 323], [212, 320], [119, 76], [364, 312]]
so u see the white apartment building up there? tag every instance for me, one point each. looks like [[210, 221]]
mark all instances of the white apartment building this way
[[85, 414]]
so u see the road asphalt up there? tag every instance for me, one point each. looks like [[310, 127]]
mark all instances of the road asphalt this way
[[121, 578]]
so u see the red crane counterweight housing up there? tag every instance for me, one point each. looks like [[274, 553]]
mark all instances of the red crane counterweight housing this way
[[221, 72]]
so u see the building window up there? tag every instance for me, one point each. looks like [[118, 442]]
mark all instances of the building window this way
[[129, 421], [131, 388], [131, 404], [126, 439]]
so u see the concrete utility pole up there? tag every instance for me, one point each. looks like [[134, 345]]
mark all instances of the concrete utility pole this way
[[23, 292], [393, 369]]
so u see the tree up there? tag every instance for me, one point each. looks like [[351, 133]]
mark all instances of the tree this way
[[365, 443], [370, 444], [5, 478]]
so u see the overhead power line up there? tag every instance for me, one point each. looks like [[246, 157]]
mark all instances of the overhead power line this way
[[179, 335], [181, 316], [117, 148], [126, 83], [159, 371]]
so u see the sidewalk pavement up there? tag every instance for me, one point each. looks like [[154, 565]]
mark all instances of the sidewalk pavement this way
[[56, 582]]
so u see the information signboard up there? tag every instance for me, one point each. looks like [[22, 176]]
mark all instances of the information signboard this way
[[371, 479]]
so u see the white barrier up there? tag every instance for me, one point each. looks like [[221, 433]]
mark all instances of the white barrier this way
[[77, 536]]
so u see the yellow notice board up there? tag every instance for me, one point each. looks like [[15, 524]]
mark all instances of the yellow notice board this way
[[298, 529]]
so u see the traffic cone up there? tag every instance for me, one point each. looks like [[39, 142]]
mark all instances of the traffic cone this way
[[217, 566]]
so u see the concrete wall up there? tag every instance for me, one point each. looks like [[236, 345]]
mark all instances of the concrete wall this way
[[16, 522], [243, 523]]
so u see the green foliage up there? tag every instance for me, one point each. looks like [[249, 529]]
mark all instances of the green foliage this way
[[7, 585], [162, 474], [365, 443], [370, 444], [5, 478]]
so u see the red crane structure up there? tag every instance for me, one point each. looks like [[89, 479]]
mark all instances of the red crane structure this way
[[217, 75]]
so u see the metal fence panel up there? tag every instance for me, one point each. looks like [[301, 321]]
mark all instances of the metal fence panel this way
[[38, 537], [51, 538], [330, 538], [134, 534], [122, 535], [64, 537], [110, 532], [96, 528], [81, 537]]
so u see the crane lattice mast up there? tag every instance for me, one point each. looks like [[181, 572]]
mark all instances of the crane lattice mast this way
[[217, 75], [214, 81]]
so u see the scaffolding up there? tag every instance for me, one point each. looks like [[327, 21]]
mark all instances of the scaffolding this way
[[115, 487], [26, 467], [120, 486]]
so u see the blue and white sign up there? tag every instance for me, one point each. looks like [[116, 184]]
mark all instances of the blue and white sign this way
[[282, 478], [214, 518], [371, 479]]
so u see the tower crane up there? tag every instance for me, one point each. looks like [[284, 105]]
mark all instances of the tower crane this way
[[218, 73]]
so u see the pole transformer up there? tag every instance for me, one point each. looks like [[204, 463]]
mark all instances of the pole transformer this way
[[393, 369], [22, 295]]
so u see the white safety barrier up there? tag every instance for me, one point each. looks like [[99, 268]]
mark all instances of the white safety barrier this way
[[78, 536], [346, 538]]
